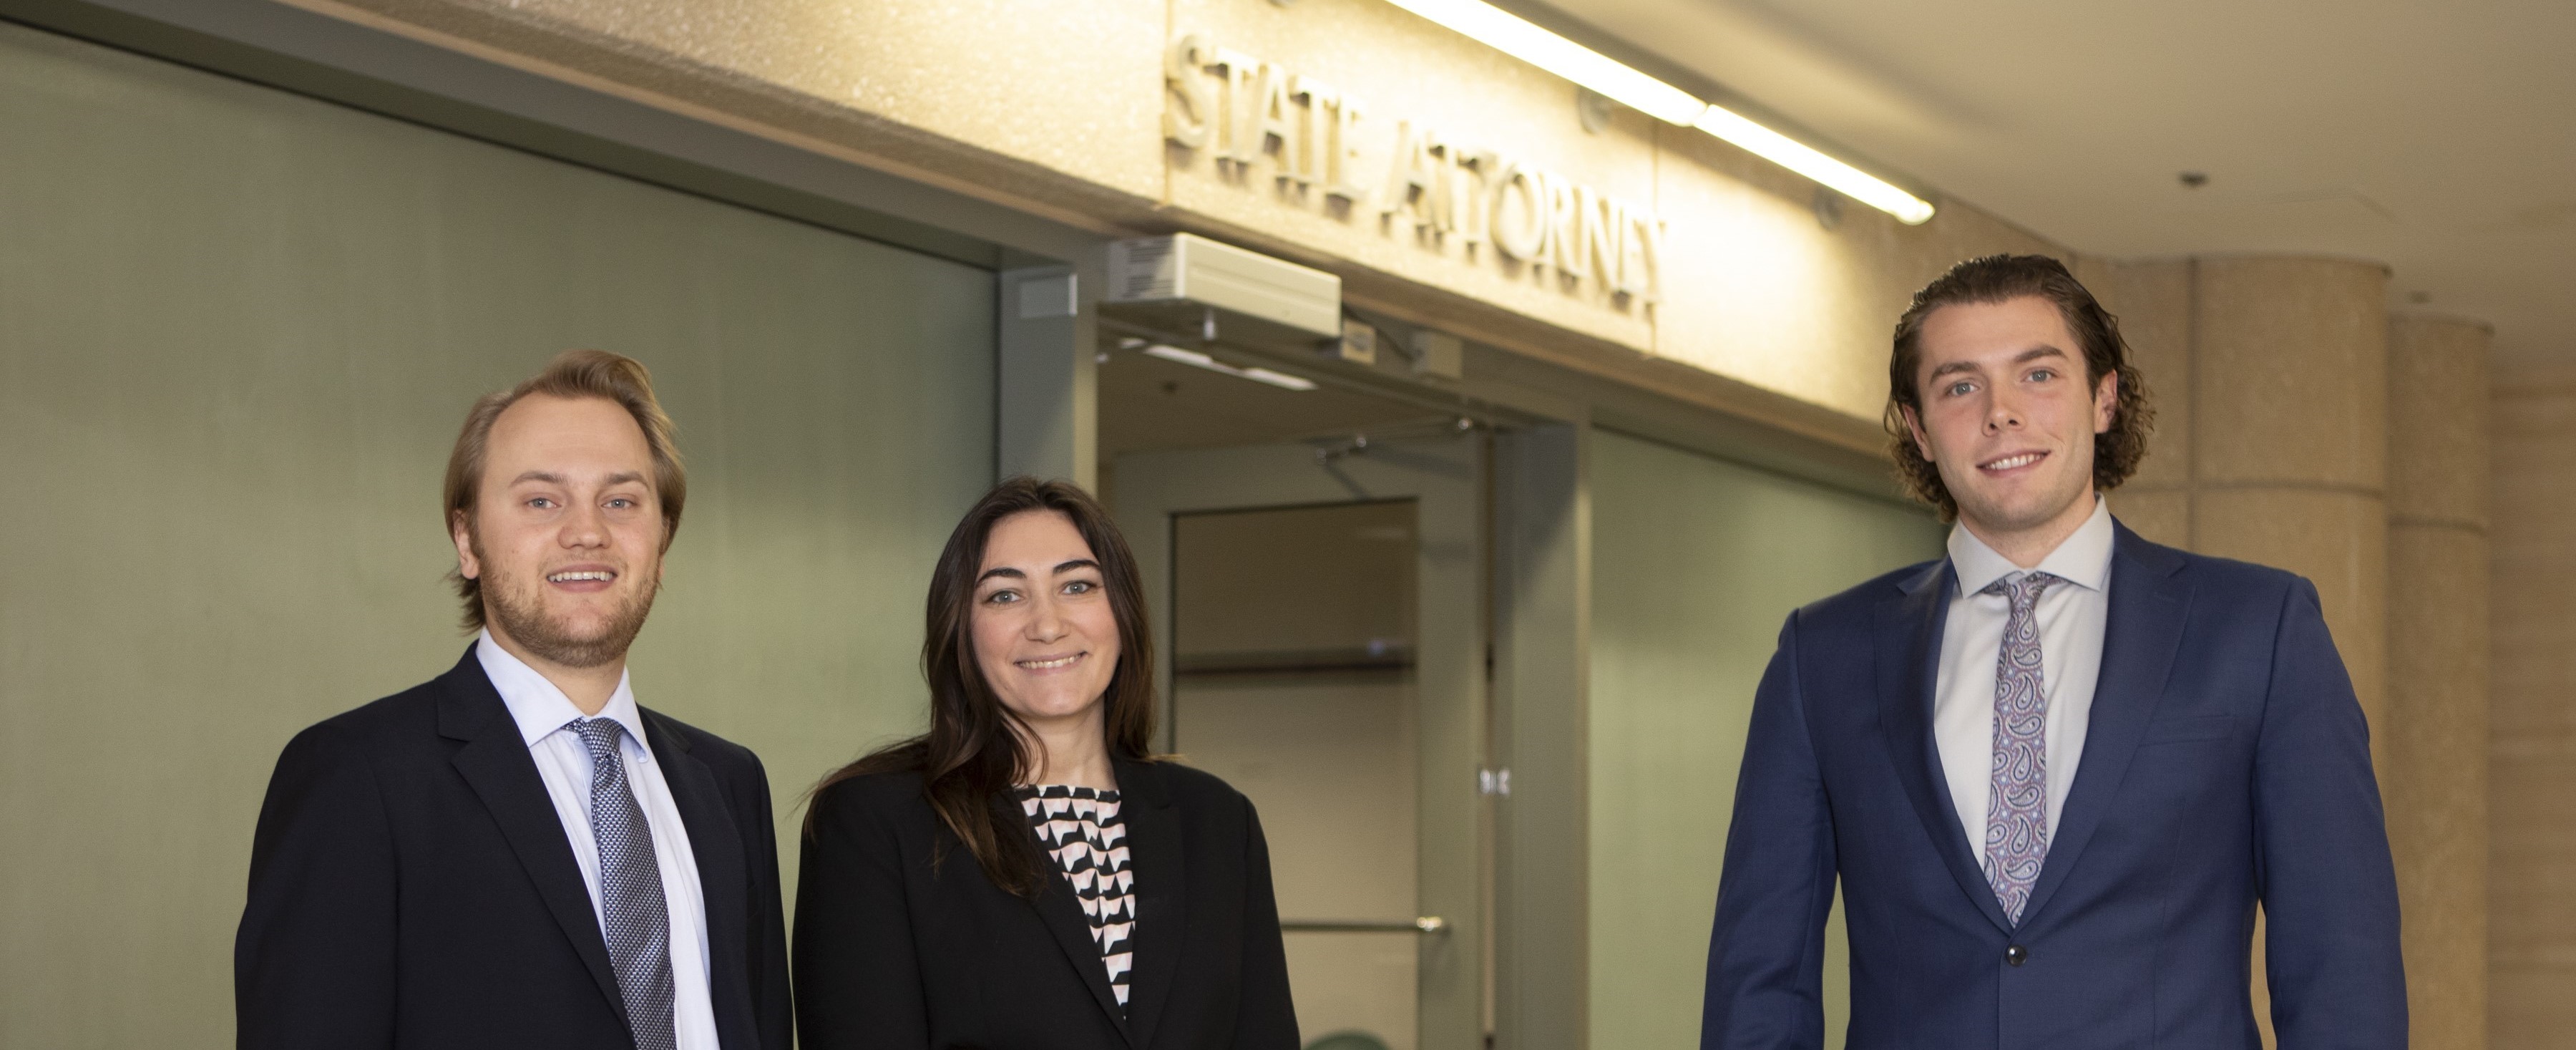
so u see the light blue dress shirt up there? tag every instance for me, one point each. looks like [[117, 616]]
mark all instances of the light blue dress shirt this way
[[563, 762]]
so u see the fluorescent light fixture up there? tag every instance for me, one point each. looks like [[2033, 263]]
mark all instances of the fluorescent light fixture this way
[[1196, 359], [1522, 39], [1799, 157], [1527, 41]]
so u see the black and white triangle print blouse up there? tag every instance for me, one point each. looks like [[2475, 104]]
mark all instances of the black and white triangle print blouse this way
[[1082, 830]]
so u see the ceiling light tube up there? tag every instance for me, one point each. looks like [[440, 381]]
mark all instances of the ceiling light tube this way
[[1531, 43], [1277, 379], [1522, 39], [1196, 359], [1805, 160]]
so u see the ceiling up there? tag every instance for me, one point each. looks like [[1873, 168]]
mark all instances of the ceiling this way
[[1149, 404], [2436, 138]]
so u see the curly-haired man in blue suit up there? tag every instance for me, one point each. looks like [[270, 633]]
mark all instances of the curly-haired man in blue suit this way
[[2056, 772]]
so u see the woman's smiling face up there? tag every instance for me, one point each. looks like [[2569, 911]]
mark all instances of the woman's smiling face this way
[[1045, 635]]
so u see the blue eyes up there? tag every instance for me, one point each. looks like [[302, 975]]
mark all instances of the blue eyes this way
[[548, 503], [1963, 387]]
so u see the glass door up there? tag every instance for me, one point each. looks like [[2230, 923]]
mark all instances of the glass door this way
[[1323, 652]]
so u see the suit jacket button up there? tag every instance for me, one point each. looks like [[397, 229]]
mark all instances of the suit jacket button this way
[[2016, 955]]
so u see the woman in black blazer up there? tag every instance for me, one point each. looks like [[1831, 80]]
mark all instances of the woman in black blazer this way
[[1028, 875]]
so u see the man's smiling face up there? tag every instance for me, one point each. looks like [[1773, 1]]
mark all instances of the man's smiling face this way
[[566, 534], [2007, 415]]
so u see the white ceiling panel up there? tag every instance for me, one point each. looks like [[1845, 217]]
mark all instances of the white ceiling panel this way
[[2439, 138]]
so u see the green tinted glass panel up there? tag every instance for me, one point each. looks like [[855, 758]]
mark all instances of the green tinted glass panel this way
[[238, 331], [1695, 563]]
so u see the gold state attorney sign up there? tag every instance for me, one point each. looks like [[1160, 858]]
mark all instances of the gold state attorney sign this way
[[1492, 207]]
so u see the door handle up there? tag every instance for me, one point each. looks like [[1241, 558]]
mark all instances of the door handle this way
[[1424, 924]]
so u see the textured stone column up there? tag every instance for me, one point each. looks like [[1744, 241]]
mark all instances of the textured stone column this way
[[2436, 777], [2270, 378], [2290, 440], [2153, 302], [2532, 747], [2290, 447]]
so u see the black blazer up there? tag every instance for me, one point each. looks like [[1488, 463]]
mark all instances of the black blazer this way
[[411, 886], [901, 941]]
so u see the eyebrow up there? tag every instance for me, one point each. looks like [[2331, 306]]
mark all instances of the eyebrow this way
[[620, 478], [1060, 569], [2024, 357]]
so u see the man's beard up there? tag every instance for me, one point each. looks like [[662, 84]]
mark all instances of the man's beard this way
[[524, 619]]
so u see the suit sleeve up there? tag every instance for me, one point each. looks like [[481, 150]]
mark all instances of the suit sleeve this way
[[858, 981], [2329, 889], [1766, 952], [313, 963], [771, 1000], [1265, 1015]]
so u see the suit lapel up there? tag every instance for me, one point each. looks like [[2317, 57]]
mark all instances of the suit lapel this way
[[495, 762], [1061, 911], [2150, 602], [717, 844], [1156, 851], [1908, 660]]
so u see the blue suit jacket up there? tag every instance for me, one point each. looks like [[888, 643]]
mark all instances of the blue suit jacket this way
[[2227, 764]]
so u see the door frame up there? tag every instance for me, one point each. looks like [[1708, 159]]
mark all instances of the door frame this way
[[1445, 477]]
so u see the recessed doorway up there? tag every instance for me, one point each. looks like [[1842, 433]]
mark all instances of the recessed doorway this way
[[1315, 552]]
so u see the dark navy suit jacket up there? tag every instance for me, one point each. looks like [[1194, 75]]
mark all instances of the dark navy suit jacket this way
[[411, 886], [2227, 765]]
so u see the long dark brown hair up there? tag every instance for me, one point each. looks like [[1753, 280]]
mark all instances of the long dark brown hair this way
[[976, 748], [1995, 279]]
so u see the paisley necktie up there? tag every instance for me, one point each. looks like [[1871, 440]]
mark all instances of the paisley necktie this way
[[2017, 811]]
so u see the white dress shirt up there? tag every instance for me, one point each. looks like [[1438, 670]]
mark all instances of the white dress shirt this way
[[543, 712], [2072, 617]]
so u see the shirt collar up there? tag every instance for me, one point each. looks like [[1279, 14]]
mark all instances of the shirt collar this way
[[538, 707], [2083, 559]]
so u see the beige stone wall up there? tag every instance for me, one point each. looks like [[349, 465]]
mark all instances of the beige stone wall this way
[[1058, 108], [2300, 426], [2153, 301], [2436, 776], [2289, 400], [2532, 742], [2270, 378], [1771, 298]]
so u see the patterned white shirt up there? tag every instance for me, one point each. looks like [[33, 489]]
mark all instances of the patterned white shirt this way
[[1085, 835]]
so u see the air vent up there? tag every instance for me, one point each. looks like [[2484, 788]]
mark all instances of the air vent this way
[[1187, 276]]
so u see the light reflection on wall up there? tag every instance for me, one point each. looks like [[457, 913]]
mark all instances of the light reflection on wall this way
[[1060, 105]]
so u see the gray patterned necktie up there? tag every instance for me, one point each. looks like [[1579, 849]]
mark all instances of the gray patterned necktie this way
[[2017, 811], [634, 917]]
